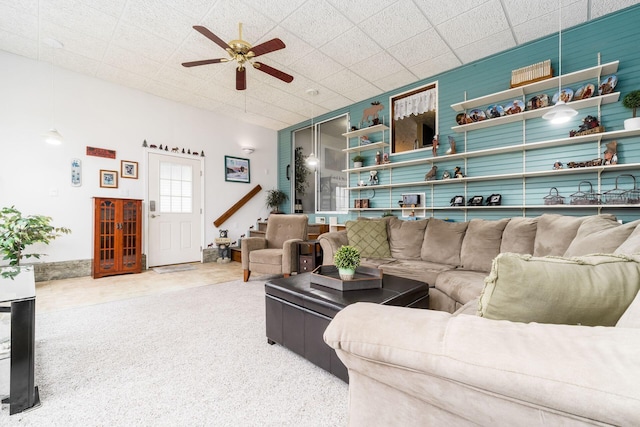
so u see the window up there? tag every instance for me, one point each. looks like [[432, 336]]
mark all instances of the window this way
[[413, 124], [176, 188]]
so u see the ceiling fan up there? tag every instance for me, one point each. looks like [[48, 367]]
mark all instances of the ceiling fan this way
[[243, 53]]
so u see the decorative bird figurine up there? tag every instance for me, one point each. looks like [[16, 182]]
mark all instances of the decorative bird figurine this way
[[242, 236], [251, 228], [431, 175]]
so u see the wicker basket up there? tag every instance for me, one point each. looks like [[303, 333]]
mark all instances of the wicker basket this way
[[585, 197], [619, 196], [553, 199]]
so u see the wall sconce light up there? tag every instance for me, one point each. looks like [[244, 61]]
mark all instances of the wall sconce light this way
[[248, 150]]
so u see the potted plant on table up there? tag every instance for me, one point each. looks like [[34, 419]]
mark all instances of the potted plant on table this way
[[274, 199], [17, 232], [632, 101], [358, 161], [346, 259]]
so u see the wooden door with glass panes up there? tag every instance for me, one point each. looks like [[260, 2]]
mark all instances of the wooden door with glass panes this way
[[117, 242]]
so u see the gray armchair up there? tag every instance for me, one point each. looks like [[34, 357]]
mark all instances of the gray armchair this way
[[276, 253]]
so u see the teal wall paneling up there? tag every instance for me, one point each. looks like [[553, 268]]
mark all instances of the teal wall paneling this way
[[613, 37]]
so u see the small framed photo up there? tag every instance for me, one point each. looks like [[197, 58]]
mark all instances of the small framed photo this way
[[108, 179], [236, 169], [129, 169]]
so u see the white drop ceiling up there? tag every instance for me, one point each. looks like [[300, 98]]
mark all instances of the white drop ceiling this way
[[348, 50]]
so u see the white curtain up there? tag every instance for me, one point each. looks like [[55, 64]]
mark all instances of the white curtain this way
[[415, 104]]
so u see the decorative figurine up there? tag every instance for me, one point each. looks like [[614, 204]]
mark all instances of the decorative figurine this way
[[175, 150], [431, 175], [144, 143], [558, 165], [160, 147], [452, 146], [364, 140], [183, 151], [353, 128], [371, 113], [153, 146], [590, 124], [373, 177], [378, 158], [166, 148], [446, 175], [611, 153], [223, 243], [202, 153], [457, 172], [434, 146]]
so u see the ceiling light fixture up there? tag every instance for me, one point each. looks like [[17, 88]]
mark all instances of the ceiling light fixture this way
[[312, 160], [560, 112], [52, 136]]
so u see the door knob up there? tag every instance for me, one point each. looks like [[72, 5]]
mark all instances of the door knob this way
[[154, 215]]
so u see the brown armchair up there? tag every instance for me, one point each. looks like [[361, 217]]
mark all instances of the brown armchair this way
[[277, 252]]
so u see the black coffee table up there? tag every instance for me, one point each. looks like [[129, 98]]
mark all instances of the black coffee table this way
[[298, 312]]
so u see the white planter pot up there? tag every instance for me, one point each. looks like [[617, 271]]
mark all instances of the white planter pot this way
[[632, 123], [357, 164], [346, 273]]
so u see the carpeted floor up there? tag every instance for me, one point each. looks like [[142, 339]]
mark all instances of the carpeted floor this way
[[195, 357]]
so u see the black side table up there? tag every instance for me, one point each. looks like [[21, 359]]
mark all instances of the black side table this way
[[309, 255]]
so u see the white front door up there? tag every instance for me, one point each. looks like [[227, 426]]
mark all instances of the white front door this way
[[174, 207]]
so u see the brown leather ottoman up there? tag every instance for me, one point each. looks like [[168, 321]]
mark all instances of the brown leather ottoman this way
[[298, 312]]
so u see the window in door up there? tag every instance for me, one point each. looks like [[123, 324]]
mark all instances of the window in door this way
[[176, 188]]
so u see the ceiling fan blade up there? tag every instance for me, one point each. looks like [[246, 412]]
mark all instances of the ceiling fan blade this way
[[241, 78], [208, 34], [204, 62], [268, 46], [273, 72]]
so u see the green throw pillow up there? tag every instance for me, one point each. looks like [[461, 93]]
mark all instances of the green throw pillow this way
[[369, 238], [593, 290]]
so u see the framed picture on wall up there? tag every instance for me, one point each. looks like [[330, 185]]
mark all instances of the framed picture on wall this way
[[236, 169], [129, 169], [108, 179]]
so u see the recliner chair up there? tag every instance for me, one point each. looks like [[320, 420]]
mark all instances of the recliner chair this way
[[277, 252]]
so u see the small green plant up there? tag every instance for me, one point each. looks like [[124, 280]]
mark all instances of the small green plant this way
[[347, 257], [358, 158], [387, 213], [275, 198], [17, 232], [632, 101]]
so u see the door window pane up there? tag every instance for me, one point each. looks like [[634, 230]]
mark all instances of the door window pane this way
[[176, 188]]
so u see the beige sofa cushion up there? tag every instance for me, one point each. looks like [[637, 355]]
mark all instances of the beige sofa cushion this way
[[461, 285], [556, 232], [631, 245], [442, 241], [481, 243], [519, 235], [369, 238], [599, 235], [405, 237], [631, 316], [591, 290]]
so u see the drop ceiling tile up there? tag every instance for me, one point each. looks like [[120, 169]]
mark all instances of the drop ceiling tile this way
[[195, 9], [120, 76], [143, 42], [224, 94], [369, 90], [396, 80], [603, 7], [486, 47], [419, 48], [158, 18], [166, 91], [79, 18], [479, 23], [437, 14], [19, 22], [350, 47], [377, 67], [400, 21], [130, 61], [75, 62], [573, 14], [359, 10], [520, 12], [343, 81], [316, 66], [226, 16], [204, 103], [13, 43], [316, 22], [26, 6], [86, 45], [336, 102], [179, 79], [276, 10], [435, 66], [111, 7], [295, 47]]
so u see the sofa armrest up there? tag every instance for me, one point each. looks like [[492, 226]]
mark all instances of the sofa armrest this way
[[591, 372], [330, 243], [290, 256], [249, 244]]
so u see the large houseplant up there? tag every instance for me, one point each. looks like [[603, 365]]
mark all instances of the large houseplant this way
[[275, 198], [18, 231], [301, 177], [632, 101], [346, 259]]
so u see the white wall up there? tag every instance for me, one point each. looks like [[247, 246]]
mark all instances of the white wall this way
[[35, 176]]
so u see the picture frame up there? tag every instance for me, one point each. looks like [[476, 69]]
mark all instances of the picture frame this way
[[237, 169], [128, 169], [108, 179]]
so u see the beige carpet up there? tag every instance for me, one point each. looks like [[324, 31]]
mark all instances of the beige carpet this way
[[195, 357]]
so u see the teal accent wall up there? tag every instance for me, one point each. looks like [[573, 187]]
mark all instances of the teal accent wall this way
[[614, 37]]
